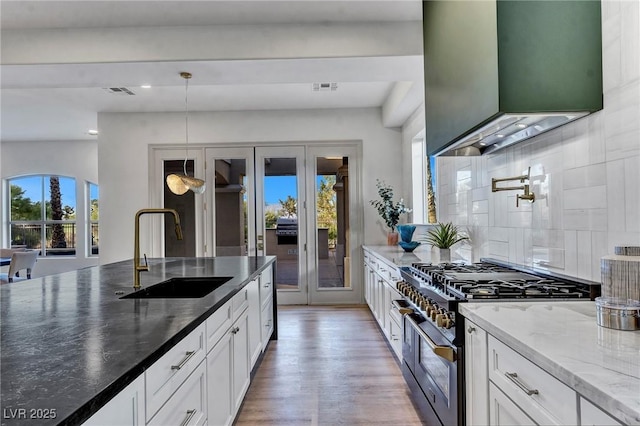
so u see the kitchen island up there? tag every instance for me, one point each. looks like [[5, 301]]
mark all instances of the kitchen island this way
[[600, 366], [70, 343]]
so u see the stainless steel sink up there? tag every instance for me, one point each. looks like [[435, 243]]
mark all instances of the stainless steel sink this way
[[179, 288]]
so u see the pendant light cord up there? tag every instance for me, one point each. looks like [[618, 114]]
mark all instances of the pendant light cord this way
[[186, 124]]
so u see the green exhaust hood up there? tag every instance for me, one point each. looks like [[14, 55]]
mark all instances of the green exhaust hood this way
[[500, 72]]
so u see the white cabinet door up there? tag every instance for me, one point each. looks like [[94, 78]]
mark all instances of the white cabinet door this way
[[503, 411], [171, 370], [124, 409], [395, 337], [267, 322], [255, 329], [543, 397], [219, 382], [590, 415], [476, 375], [188, 406], [240, 360]]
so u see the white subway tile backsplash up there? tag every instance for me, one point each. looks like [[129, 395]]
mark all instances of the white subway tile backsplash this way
[[632, 193], [480, 206], [581, 219], [615, 198], [584, 254], [586, 175], [630, 39], [583, 177], [571, 253], [594, 197], [598, 250]]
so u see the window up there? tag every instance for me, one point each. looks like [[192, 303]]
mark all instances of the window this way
[[43, 214], [423, 182], [94, 215]]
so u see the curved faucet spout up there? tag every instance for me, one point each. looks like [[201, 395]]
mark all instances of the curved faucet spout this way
[[137, 267]]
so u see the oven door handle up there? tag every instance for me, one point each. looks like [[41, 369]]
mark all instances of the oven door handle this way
[[446, 352]]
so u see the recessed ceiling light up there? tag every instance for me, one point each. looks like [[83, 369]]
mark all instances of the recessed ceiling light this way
[[146, 86], [521, 125], [93, 132], [500, 136]]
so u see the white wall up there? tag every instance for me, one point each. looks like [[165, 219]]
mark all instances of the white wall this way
[[77, 159], [123, 151], [586, 175]]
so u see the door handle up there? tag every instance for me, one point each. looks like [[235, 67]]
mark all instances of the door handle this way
[[445, 352]]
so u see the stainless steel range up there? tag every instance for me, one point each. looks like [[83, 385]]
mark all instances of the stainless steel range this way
[[433, 342]]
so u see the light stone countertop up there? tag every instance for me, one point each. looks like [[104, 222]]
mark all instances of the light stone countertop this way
[[397, 256], [563, 338]]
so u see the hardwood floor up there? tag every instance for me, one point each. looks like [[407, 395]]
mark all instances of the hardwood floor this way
[[330, 366]]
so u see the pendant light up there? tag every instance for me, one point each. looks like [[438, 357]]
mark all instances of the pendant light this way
[[181, 183]]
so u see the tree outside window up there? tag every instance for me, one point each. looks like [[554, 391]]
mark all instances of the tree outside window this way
[[43, 214]]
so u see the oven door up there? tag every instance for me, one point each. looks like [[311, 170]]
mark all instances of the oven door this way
[[434, 365]]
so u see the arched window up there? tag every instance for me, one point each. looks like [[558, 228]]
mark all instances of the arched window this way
[[43, 214]]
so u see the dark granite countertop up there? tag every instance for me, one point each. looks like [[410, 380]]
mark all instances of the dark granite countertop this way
[[70, 343]]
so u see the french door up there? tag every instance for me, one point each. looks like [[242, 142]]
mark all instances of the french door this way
[[292, 202]]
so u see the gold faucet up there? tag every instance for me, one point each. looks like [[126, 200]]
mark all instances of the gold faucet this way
[[530, 196], [137, 267]]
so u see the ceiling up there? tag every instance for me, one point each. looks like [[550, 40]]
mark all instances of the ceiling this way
[[51, 100]]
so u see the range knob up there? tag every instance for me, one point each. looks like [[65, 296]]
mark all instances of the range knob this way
[[434, 314], [448, 322], [440, 318]]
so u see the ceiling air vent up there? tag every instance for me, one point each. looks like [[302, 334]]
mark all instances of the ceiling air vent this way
[[325, 87], [119, 91]]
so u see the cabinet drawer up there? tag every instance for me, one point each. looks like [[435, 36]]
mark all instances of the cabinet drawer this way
[[267, 323], [395, 337], [165, 375], [239, 303], [590, 415], [188, 406], [266, 285], [218, 324], [504, 412], [543, 397]]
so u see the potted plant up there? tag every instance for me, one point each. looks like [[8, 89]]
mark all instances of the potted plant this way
[[389, 210], [443, 236]]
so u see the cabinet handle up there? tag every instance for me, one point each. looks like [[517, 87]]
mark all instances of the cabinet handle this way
[[267, 285], [190, 414], [187, 357], [234, 330], [471, 329], [268, 324], [514, 378]]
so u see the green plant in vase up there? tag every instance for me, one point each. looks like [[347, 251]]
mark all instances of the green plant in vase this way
[[443, 236], [389, 210]]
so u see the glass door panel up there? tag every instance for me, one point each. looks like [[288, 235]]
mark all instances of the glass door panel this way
[[331, 223], [281, 219], [232, 210]]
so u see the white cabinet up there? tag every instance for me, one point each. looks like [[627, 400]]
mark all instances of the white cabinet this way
[[476, 377], [267, 322], [164, 377], [503, 387], [504, 412], [543, 397], [125, 409], [228, 367], [590, 415], [380, 290], [255, 322], [188, 406], [219, 382]]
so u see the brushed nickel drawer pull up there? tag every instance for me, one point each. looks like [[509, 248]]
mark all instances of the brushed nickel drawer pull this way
[[514, 378], [471, 329], [190, 414], [187, 357]]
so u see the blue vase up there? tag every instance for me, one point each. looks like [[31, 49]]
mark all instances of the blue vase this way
[[409, 246], [406, 232]]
